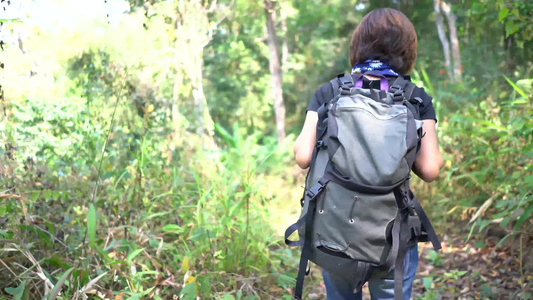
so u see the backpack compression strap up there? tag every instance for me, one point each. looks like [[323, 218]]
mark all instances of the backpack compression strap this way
[[306, 219], [402, 234]]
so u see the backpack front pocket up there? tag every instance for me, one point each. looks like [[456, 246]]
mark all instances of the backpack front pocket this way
[[354, 225]]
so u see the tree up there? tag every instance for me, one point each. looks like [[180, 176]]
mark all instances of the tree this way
[[275, 68], [191, 32], [454, 69]]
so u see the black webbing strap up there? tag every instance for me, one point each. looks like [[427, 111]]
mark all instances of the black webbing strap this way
[[398, 89], [401, 234], [313, 193], [333, 175], [426, 224], [335, 85], [322, 111], [404, 235], [346, 81], [396, 251], [306, 252], [363, 272], [409, 89], [291, 229]]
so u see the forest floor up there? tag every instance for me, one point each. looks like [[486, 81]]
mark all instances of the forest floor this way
[[462, 271]]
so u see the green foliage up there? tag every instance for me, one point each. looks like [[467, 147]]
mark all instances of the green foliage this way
[[59, 284], [91, 225], [489, 154], [18, 292], [517, 17], [455, 274], [434, 258]]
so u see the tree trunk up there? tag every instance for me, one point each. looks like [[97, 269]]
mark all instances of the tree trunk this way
[[192, 35], [275, 69], [284, 44], [206, 124], [443, 38], [456, 54]]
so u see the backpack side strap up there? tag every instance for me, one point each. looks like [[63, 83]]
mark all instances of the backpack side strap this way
[[405, 224], [306, 219], [426, 224], [312, 194]]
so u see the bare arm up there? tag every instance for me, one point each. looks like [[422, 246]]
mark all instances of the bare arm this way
[[429, 161], [305, 143]]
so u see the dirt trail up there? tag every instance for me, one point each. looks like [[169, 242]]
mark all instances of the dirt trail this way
[[461, 271]]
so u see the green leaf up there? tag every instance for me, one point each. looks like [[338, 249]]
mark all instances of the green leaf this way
[[504, 222], [515, 87], [57, 288], [225, 134], [35, 196], [10, 20], [529, 180], [91, 225], [189, 292], [427, 282], [227, 297], [140, 295], [18, 291], [285, 281], [6, 234], [527, 213], [172, 228], [502, 240], [103, 254], [502, 14], [479, 244], [133, 254], [108, 175], [510, 28]]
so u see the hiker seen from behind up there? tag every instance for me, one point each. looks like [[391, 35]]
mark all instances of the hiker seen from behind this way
[[363, 135]]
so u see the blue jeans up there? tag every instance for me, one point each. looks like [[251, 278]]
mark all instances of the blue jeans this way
[[380, 288]]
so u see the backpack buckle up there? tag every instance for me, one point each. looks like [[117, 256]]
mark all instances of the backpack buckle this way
[[314, 191], [417, 101], [345, 90], [321, 144], [394, 88], [397, 93]]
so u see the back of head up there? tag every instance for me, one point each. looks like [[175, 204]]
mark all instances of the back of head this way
[[385, 34]]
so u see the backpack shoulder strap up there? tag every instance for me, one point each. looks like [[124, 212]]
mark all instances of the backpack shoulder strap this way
[[335, 85], [399, 89], [342, 80]]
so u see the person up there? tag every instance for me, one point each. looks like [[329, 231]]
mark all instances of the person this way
[[385, 42]]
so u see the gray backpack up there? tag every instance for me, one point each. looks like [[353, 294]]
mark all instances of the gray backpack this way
[[359, 215]]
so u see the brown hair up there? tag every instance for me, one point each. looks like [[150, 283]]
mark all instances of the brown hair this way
[[385, 34]]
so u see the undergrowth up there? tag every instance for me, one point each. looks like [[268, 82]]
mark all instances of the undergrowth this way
[[160, 219]]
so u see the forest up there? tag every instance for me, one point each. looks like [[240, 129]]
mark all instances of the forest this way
[[147, 145]]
